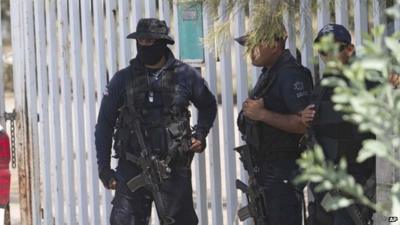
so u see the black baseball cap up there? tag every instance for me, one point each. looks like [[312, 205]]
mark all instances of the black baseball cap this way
[[340, 33]]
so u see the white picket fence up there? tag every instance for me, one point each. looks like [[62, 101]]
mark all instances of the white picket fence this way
[[64, 53]]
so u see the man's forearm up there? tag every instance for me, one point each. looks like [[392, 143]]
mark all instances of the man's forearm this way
[[288, 122]]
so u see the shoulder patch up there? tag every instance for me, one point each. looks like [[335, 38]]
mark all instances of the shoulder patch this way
[[298, 86]]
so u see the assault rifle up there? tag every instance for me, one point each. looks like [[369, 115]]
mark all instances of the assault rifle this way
[[256, 198], [154, 173]]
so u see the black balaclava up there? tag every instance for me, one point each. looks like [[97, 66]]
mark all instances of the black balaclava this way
[[150, 55]]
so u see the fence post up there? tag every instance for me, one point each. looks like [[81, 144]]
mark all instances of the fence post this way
[[66, 111], [89, 111], [323, 19], [360, 19], [124, 44], [77, 105], [136, 16], [290, 23], [306, 36], [255, 71], [176, 30], [31, 96], [341, 12], [228, 122], [200, 177], [241, 87], [164, 11], [110, 36], [150, 8], [44, 140], [378, 12], [213, 137], [100, 74]]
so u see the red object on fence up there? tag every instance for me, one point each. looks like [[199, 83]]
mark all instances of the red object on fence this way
[[4, 168]]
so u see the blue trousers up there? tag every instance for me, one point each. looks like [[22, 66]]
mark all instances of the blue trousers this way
[[284, 199]]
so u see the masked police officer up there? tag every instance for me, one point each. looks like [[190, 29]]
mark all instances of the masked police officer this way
[[270, 117], [159, 88], [337, 137]]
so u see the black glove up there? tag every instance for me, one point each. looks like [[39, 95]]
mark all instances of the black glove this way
[[199, 136], [107, 176]]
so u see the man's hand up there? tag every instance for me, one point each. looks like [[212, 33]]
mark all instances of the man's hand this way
[[307, 115], [107, 176], [196, 146], [112, 185], [394, 79], [253, 109]]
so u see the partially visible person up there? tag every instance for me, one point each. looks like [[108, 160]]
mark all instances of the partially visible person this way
[[337, 137], [145, 109], [394, 79], [271, 126]]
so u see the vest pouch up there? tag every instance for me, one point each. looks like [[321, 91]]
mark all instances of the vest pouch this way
[[178, 136], [175, 130], [133, 146], [157, 141]]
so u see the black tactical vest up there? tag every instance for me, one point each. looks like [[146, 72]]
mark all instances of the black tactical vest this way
[[165, 128]]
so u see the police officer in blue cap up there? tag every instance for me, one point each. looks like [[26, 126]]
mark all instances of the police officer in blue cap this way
[[157, 89], [337, 137], [272, 128]]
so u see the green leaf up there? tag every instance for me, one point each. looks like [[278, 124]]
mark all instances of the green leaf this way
[[394, 45], [337, 202], [371, 148], [373, 64]]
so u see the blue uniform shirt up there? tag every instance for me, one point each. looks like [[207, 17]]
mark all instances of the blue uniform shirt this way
[[289, 93]]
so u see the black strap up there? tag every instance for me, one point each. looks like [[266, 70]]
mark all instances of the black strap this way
[[268, 81], [319, 91], [130, 93]]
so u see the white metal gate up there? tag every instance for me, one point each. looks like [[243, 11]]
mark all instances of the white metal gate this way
[[64, 53]]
